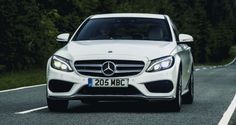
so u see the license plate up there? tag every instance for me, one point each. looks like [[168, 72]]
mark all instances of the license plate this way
[[93, 82]]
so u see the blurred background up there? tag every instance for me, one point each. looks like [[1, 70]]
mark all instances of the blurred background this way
[[28, 29]]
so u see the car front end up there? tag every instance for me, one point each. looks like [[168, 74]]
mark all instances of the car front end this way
[[143, 78]]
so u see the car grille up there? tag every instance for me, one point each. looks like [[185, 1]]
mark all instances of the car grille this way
[[130, 90], [123, 67]]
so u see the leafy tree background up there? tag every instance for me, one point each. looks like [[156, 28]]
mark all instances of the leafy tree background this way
[[29, 27]]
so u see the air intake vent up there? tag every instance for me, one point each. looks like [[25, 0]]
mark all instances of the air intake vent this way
[[130, 90]]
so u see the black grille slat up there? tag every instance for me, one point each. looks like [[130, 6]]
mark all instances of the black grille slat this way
[[88, 68], [130, 90], [129, 68], [123, 67]]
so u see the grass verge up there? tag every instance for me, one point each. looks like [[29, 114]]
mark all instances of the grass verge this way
[[22, 78]]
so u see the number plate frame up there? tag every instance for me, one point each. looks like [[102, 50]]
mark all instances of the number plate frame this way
[[108, 82]]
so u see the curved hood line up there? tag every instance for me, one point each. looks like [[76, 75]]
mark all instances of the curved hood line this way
[[110, 48]]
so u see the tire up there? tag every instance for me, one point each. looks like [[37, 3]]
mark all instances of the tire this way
[[189, 96], [57, 105], [89, 101], [176, 103]]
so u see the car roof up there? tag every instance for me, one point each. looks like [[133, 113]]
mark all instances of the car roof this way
[[133, 15]]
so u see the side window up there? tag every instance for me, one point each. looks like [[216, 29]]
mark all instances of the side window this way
[[176, 32]]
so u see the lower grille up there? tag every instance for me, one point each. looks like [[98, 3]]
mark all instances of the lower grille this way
[[130, 90], [59, 86], [162, 86], [120, 68]]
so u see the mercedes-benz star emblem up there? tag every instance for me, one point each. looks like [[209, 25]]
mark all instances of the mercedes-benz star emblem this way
[[108, 68]]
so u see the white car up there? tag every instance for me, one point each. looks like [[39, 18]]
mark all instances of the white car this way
[[122, 56]]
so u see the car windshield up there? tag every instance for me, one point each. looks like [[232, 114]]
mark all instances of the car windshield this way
[[124, 29]]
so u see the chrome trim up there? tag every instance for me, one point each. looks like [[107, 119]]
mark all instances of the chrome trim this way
[[127, 71], [90, 71], [88, 65], [128, 65]]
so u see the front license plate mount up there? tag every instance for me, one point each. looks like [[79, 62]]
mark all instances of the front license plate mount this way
[[106, 82]]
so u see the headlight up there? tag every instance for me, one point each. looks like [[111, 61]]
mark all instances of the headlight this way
[[61, 63], [161, 64]]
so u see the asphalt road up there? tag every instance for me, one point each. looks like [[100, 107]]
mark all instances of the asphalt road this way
[[214, 90]]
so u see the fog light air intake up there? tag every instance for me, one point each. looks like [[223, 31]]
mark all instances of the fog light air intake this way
[[60, 86], [163, 86]]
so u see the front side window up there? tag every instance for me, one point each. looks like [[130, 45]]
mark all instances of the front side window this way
[[125, 29], [176, 32]]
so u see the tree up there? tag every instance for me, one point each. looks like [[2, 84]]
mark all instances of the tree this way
[[29, 27], [25, 34]]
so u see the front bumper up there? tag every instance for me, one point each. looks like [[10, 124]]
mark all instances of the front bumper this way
[[137, 81], [111, 97]]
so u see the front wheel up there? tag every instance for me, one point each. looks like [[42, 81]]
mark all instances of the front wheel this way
[[57, 105], [188, 97], [176, 103]]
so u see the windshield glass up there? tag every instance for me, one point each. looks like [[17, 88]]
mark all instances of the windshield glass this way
[[124, 29]]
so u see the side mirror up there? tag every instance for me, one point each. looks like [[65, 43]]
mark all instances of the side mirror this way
[[64, 37], [185, 38]]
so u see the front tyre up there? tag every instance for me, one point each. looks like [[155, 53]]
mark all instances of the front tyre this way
[[176, 103], [57, 105], [188, 97]]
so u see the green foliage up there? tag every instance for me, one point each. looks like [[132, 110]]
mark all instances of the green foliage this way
[[219, 42], [28, 27], [27, 35], [22, 78]]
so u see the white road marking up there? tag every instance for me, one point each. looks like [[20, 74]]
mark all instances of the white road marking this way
[[197, 69], [228, 113], [25, 87], [31, 110], [231, 62]]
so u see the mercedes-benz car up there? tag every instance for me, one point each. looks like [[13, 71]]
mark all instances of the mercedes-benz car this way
[[122, 56]]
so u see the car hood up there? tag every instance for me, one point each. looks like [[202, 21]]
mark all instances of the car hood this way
[[106, 48]]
